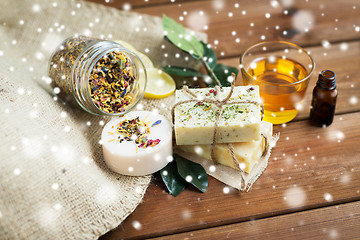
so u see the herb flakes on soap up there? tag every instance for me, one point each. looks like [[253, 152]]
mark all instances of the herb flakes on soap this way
[[137, 131]]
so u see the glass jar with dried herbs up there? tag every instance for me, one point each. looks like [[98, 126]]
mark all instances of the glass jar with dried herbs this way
[[102, 77]]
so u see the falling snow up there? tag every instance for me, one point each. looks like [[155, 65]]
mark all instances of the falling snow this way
[[328, 197], [107, 194], [226, 190], [303, 21], [212, 168], [186, 214], [295, 197], [197, 20], [188, 178], [218, 4], [353, 100], [137, 225]]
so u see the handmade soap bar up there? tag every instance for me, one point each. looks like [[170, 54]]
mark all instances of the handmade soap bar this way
[[137, 144], [195, 121], [247, 153]]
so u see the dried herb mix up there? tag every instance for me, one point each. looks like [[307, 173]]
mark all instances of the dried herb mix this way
[[109, 84], [137, 131], [62, 62]]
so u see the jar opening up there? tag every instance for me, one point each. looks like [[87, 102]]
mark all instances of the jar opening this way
[[101, 77], [109, 79], [327, 80], [328, 74]]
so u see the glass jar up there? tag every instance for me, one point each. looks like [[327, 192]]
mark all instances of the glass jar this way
[[102, 77]]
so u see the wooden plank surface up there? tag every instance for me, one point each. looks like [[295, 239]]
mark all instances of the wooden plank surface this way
[[230, 20], [335, 222], [249, 22], [312, 171], [310, 167]]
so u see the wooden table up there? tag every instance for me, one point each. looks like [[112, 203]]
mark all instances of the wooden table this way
[[311, 187]]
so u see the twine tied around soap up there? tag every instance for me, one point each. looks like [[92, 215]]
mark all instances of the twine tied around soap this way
[[220, 103]]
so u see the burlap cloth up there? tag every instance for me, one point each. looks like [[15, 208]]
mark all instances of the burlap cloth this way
[[54, 184]]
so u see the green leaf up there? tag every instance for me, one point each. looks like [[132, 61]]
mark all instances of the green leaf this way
[[173, 181], [192, 172], [177, 35], [182, 71], [209, 55], [222, 72]]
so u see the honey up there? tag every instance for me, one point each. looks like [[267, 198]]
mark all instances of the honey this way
[[282, 83]]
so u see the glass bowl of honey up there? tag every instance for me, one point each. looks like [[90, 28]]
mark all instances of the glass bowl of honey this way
[[282, 71]]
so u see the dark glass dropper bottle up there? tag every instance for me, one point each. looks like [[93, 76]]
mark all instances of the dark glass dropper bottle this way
[[324, 99]]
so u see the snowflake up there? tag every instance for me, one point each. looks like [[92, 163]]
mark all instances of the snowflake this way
[[197, 20], [212, 168], [328, 197], [107, 194], [345, 178], [326, 44], [344, 47], [287, 3], [36, 8], [188, 178], [274, 3], [186, 214], [295, 197], [126, 6], [17, 171], [55, 186], [218, 4], [353, 100], [303, 21], [47, 216], [57, 206], [137, 225], [169, 158]]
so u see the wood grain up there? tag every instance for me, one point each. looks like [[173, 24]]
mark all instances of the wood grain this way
[[312, 171], [335, 222], [328, 23], [309, 168]]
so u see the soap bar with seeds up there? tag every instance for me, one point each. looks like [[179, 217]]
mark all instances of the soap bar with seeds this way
[[195, 121], [247, 153]]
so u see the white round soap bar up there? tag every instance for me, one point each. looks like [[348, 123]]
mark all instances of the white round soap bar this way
[[137, 144]]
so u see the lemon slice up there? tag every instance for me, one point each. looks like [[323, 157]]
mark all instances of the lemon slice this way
[[145, 59], [126, 45], [159, 84]]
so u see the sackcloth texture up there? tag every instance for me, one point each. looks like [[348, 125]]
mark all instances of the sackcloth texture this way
[[54, 183]]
